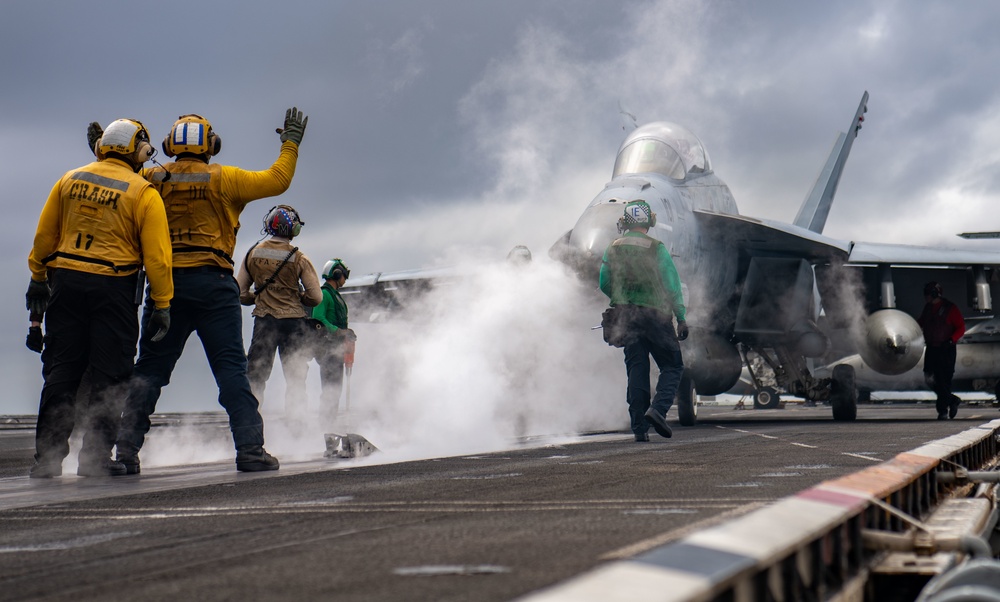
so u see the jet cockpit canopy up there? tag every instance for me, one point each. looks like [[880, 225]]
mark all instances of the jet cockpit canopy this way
[[664, 148]]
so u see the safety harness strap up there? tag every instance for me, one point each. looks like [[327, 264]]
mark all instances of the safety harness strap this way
[[277, 270], [197, 249], [104, 262]]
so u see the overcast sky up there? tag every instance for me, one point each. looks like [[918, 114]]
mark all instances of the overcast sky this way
[[444, 128]]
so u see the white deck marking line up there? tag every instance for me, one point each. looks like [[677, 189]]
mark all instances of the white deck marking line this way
[[79, 542], [863, 457]]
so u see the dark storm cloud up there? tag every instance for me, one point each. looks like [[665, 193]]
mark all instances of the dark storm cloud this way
[[442, 126]]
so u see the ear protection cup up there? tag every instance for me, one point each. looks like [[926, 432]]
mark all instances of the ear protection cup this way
[[296, 228], [145, 152], [214, 142], [166, 148]]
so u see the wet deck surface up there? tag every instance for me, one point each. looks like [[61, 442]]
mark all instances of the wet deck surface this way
[[488, 526]]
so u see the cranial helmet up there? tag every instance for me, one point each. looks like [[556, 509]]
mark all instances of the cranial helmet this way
[[519, 255], [126, 137], [933, 290], [638, 214], [335, 265], [192, 134], [283, 220]]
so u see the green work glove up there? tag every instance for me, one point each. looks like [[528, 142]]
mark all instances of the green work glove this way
[[295, 126], [161, 321], [35, 339], [682, 330], [37, 297], [94, 133]]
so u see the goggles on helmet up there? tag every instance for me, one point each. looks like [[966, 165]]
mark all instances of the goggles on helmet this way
[[333, 265]]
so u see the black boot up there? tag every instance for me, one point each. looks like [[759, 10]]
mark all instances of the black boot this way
[[255, 459], [45, 469], [658, 422], [129, 457], [104, 467], [953, 406]]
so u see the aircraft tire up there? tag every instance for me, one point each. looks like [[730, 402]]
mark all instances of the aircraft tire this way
[[844, 393], [766, 399], [687, 401]]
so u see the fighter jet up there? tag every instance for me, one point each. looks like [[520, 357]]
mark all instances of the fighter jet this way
[[776, 297], [779, 298]]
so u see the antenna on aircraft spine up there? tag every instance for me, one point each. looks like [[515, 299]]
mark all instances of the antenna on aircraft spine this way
[[628, 119]]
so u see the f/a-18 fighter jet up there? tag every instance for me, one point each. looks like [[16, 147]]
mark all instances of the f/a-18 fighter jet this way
[[780, 298]]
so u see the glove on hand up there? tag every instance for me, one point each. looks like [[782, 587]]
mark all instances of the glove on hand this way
[[37, 297], [35, 339], [295, 126], [161, 321], [94, 133], [348, 334], [682, 330]]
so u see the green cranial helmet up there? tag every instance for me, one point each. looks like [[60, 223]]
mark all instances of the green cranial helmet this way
[[638, 214], [335, 265]]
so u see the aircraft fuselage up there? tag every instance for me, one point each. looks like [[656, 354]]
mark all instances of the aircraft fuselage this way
[[707, 266]]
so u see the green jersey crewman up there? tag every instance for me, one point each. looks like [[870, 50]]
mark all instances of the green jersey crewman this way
[[641, 280], [332, 313]]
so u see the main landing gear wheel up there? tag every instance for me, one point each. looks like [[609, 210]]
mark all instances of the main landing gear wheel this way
[[766, 399], [687, 401], [844, 393]]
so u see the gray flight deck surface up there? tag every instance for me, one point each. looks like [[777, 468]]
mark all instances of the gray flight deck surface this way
[[477, 527]]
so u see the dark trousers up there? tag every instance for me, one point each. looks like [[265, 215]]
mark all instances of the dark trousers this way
[[331, 376], [650, 332], [90, 327], [292, 339], [206, 301], [939, 369]]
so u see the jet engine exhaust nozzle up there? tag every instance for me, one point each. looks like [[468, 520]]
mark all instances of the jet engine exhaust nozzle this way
[[892, 342]]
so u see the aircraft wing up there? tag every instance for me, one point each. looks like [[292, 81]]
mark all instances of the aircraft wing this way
[[913, 256], [404, 279], [386, 278], [770, 238], [765, 237], [372, 296]]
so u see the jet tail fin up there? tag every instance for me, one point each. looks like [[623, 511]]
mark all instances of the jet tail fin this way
[[815, 209]]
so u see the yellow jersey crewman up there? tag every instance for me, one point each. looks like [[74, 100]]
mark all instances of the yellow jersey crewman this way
[[100, 225], [204, 201]]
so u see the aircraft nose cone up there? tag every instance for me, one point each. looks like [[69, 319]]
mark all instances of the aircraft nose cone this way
[[596, 229]]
